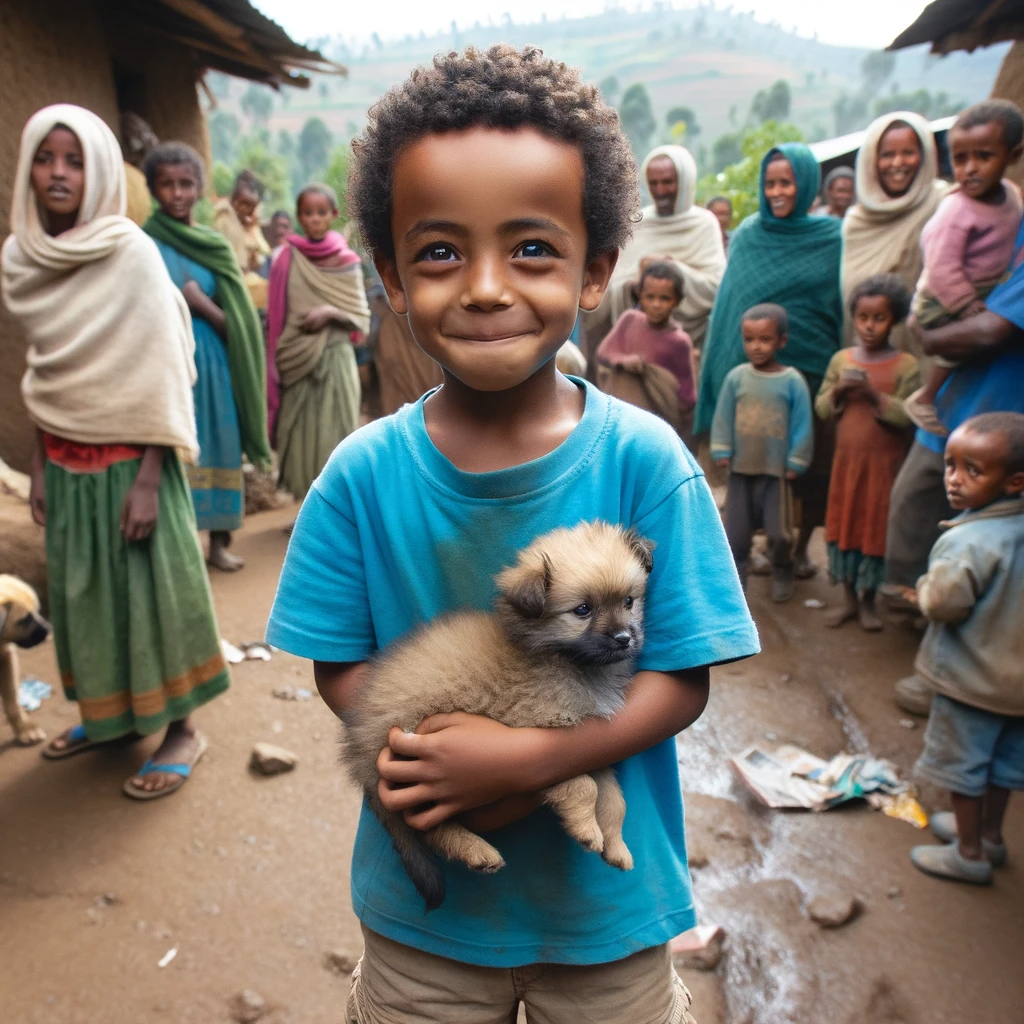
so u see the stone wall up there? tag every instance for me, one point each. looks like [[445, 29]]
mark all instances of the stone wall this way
[[56, 51]]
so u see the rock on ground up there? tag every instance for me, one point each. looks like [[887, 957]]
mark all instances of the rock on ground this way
[[269, 759], [833, 910]]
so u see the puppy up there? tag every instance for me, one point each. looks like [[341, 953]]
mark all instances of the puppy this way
[[558, 648], [21, 625]]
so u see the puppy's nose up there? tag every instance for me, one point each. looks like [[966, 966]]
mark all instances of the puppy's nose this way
[[623, 637]]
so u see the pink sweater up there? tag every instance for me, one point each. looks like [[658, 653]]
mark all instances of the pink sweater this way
[[968, 244], [670, 349]]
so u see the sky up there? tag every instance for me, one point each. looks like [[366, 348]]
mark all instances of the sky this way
[[868, 23]]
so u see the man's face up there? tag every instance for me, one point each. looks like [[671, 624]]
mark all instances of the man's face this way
[[663, 184], [840, 196], [491, 251]]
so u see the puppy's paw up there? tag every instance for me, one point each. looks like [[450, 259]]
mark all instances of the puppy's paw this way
[[28, 735], [617, 854], [589, 837], [486, 864]]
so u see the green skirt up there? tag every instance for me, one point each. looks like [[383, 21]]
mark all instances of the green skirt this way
[[137, 642], [317, 413], [864, 572]]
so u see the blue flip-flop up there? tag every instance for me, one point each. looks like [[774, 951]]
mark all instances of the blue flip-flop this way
[[79, 742], [182, 770]]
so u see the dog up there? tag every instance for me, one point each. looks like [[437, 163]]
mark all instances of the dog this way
[[21, 625], [559, 647]]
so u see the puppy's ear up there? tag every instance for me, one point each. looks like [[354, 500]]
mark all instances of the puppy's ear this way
[[526, 586], [642, 548]]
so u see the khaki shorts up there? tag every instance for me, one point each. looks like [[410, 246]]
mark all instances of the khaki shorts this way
[[396, 984]]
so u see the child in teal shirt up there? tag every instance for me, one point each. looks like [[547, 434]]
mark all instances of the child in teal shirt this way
[[495, 190]]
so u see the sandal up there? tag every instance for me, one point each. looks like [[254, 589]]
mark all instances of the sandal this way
[[75, 742], [181, 769]]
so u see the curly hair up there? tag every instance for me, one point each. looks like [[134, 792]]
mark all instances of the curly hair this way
[[1002, 112], [889, 286], [168, 154], [770, 311], [664, 272], [1011, 426], [502, 88]]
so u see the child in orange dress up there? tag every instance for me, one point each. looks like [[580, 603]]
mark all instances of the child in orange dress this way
[[863, 390]]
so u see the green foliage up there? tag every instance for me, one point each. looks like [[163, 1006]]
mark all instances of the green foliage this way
[[920, 101], [773, 103], [254, 153], [682, 121], [314, 148], [637, 116], [336, 176], [741, 180], [223, 179], [224, 129], [728, 149], [257, 104]]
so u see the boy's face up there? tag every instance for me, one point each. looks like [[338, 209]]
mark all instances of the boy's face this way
[[840, 195], [245, 203], [976, 468], [316, 213], [280, 226], [761, 341], [491, 251], [176, 188], [980, 157], [657, 300]]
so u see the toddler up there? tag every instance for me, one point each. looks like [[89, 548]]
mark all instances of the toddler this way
[[972, 652], [494, 190], [968, 244], [863, 391], [650, 336], [762, 434]]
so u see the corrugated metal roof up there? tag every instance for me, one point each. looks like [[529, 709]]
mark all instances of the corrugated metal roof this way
[[964, 25], [230, 36], [847, 145]]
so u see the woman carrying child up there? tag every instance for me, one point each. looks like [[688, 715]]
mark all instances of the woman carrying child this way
[[647, 358], [237, 218], [109, 388], [784, 256], [230, 393], [863, 391], [318, 313]]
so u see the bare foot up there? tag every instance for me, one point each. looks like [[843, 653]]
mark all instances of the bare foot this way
[[181, 745], [220, 557], [803, 567], [870, 621], [846, 611]]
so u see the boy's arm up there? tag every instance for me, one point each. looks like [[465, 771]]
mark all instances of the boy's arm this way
[[944, 255], [461, 762], [801, 433], [722, 426], [950, 589]]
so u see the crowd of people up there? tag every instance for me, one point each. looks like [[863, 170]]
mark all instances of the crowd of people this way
[[790, 353]]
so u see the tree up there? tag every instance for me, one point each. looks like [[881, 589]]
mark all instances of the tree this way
[[255, 154], [637, 116], [336, 176], [920, 101], [223, 179], [314, 147], [876, 68], [726, 150], [609, 88], [682, 121], [224, 131], [257, 104], [773, 103], [851, 112]]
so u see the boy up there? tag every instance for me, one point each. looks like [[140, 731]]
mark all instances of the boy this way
[[972, 652], [762, 434], [650, 335], [969, 243], [494, 190]]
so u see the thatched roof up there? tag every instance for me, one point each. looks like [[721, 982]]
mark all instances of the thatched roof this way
[[964, 25], [229, 36]]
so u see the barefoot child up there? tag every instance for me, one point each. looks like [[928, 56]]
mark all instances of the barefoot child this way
[[972, 653], [649, 336], [762, 434], [317, 314], [969, 243], [863, 390], [494, 190]]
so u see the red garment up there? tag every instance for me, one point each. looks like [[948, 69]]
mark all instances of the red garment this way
[[868, 457], [669, 347], [88, 458]]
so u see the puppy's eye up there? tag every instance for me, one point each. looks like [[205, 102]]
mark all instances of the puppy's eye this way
[[628, 602], [582, 610]]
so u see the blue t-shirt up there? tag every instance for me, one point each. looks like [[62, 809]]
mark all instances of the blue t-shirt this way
[[392, 535], [987, 385]]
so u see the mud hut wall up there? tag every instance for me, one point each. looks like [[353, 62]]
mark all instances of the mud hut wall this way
[[51, 51], [1009, 85]]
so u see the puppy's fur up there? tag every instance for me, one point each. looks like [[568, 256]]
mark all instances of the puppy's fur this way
[[21, 625], [559, 648]]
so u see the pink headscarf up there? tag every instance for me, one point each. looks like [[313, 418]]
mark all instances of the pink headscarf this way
[[332, 244]]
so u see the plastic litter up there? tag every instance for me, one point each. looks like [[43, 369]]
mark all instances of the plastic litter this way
[[254, 651], [32, 693], [903, 806], [232, 654], [167, 957]]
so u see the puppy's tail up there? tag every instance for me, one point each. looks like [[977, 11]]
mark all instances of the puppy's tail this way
[[419, 861]]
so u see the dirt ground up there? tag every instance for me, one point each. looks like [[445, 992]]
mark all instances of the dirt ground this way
[[247, 878]]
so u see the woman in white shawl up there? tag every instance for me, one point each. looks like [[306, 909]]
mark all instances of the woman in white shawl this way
[[898, 191], [684, 234], [109, 388]]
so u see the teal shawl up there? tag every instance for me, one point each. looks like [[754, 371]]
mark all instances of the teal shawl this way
[[793, 261], [247, 359]]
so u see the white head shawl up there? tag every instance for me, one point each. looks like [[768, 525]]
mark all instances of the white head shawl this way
[[110, 347]]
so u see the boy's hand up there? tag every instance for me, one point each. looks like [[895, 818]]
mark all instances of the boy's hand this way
[[459, 762]]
